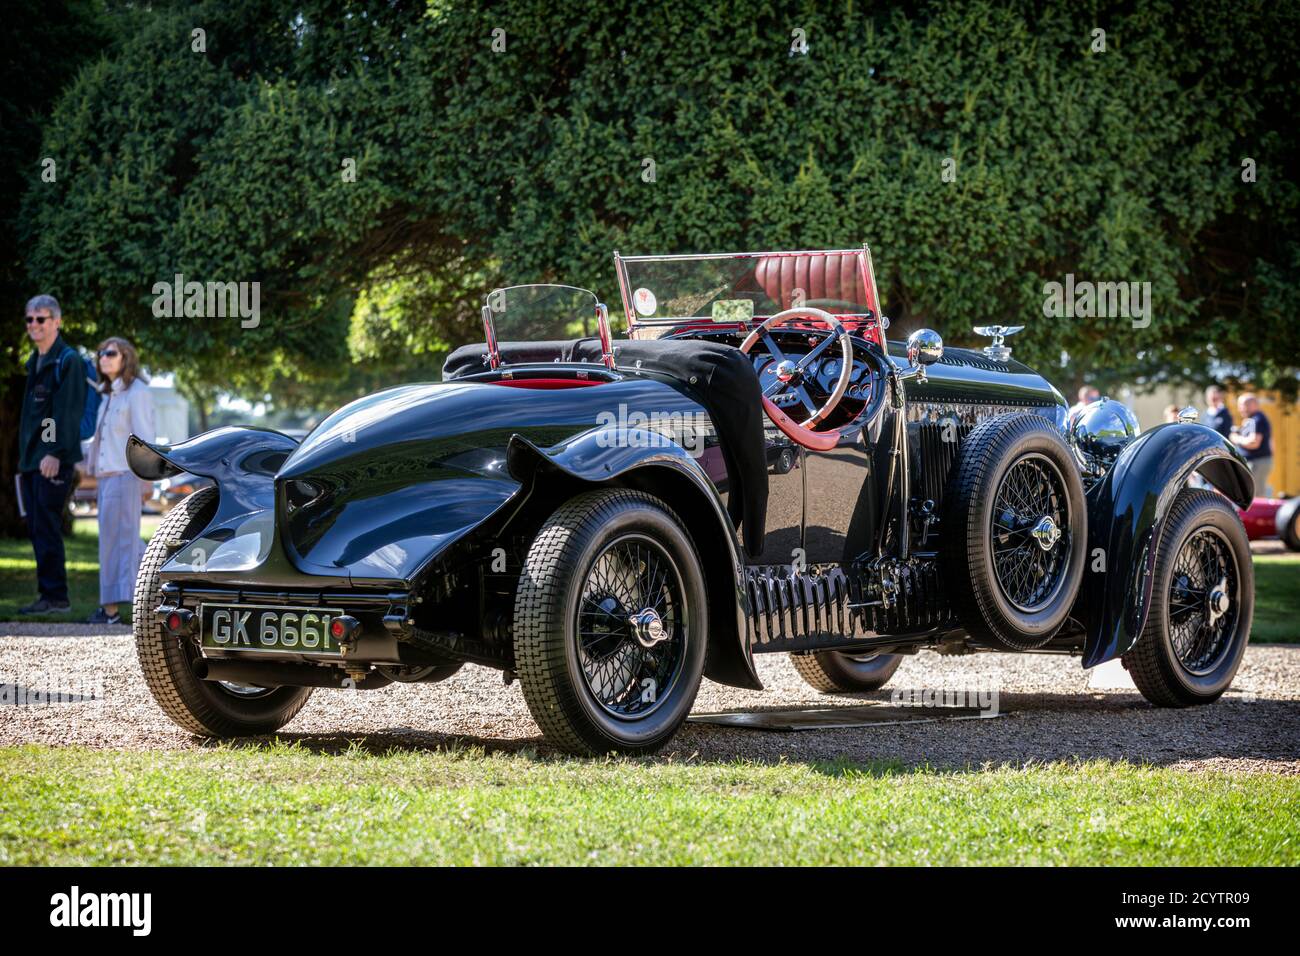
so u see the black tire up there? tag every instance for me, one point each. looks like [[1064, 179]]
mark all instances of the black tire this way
[[1197, 520], [583, 556], [838, 672], [1288, 524], [202, 707], [1007, 590], [784, 462]]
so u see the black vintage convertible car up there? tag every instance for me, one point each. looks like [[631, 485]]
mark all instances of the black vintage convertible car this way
[[752, 469]]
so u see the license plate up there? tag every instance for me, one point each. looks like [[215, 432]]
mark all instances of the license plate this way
[[251, 627]]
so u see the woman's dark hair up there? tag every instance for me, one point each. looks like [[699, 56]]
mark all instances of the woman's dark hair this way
[[130, 363]]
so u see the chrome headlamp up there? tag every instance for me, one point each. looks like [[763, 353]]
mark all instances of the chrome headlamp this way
[[1102, 429]]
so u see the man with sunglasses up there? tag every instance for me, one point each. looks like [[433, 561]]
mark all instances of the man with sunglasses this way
[[49, 447]]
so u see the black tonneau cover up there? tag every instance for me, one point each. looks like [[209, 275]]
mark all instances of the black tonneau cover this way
[[720, 377]]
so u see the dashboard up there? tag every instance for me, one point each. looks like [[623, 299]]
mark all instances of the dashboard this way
[[821, 377], [866, 382]]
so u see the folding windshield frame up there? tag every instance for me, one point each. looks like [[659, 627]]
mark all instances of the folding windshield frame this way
[[868, 324], [602, 322]]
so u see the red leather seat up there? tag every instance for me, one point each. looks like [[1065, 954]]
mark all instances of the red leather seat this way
[[819, 275]]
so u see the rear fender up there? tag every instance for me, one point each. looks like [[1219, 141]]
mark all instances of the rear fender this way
[[241, 461], [1126, 513], [646, 460], [240, 538]]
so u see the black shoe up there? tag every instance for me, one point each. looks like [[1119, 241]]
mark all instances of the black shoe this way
[[42, 606], [103, 617]]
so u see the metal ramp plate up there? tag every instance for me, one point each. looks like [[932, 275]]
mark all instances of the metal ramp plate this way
[[838, 718]]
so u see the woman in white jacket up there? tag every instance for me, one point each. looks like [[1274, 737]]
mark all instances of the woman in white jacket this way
[[125, 408]]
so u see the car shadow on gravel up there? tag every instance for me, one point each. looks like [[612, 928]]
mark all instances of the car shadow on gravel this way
[[1039, 728], [1264, 732]]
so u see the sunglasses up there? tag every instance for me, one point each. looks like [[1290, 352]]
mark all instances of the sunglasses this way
[[109, 353], [38, 319]]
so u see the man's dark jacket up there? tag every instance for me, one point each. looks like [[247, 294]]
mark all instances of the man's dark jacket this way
[[1220, 419], [58, 392]]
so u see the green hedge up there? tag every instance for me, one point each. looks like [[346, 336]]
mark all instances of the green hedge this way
[[476, 167]]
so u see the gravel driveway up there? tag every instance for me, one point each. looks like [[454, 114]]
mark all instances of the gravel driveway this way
[[1053, 713]]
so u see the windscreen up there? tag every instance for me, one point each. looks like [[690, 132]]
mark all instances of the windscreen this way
[[742, 287], [542, 313]]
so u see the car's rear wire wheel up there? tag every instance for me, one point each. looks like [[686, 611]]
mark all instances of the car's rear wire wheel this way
[[1199, 630], [207, 708], [610, 624], [632, 575]]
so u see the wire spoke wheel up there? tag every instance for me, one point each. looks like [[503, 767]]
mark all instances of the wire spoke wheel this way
[[246, 691], [611, 624], [1030, 532], [1203, 601], [631, 626]]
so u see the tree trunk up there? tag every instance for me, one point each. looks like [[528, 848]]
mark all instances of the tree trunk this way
[[199, 398]]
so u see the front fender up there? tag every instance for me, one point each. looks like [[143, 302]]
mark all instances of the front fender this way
[[646, 459], [1126, 512]]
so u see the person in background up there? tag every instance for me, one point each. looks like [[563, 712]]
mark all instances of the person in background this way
[[1171, 413], [1217, 415], [49, 447], [127, 409], [1255, 439], [1087, 395]]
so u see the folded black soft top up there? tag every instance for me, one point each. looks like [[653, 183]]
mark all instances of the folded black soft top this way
[[720, 377]]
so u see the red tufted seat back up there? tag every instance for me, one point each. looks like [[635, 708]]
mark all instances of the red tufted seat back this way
[[820, 275]]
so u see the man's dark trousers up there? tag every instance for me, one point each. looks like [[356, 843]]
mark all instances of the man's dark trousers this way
[[45, 499]]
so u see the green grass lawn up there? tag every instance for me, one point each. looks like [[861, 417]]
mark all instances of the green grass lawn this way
[[285, 804], [1277, 599], [18, 572]]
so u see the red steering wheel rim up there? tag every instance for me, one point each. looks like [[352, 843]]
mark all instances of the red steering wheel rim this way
[[798, 433]]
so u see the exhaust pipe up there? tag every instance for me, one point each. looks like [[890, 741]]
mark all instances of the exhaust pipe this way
[[284, 675]]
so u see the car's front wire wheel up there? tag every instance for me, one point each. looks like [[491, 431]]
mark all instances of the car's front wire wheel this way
[[610, 624], [1202, 602], [208, 708]]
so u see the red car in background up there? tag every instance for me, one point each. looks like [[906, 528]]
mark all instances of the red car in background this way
[[1273, 518]]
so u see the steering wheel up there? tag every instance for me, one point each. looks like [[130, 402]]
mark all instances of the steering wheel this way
[[790, 376]]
